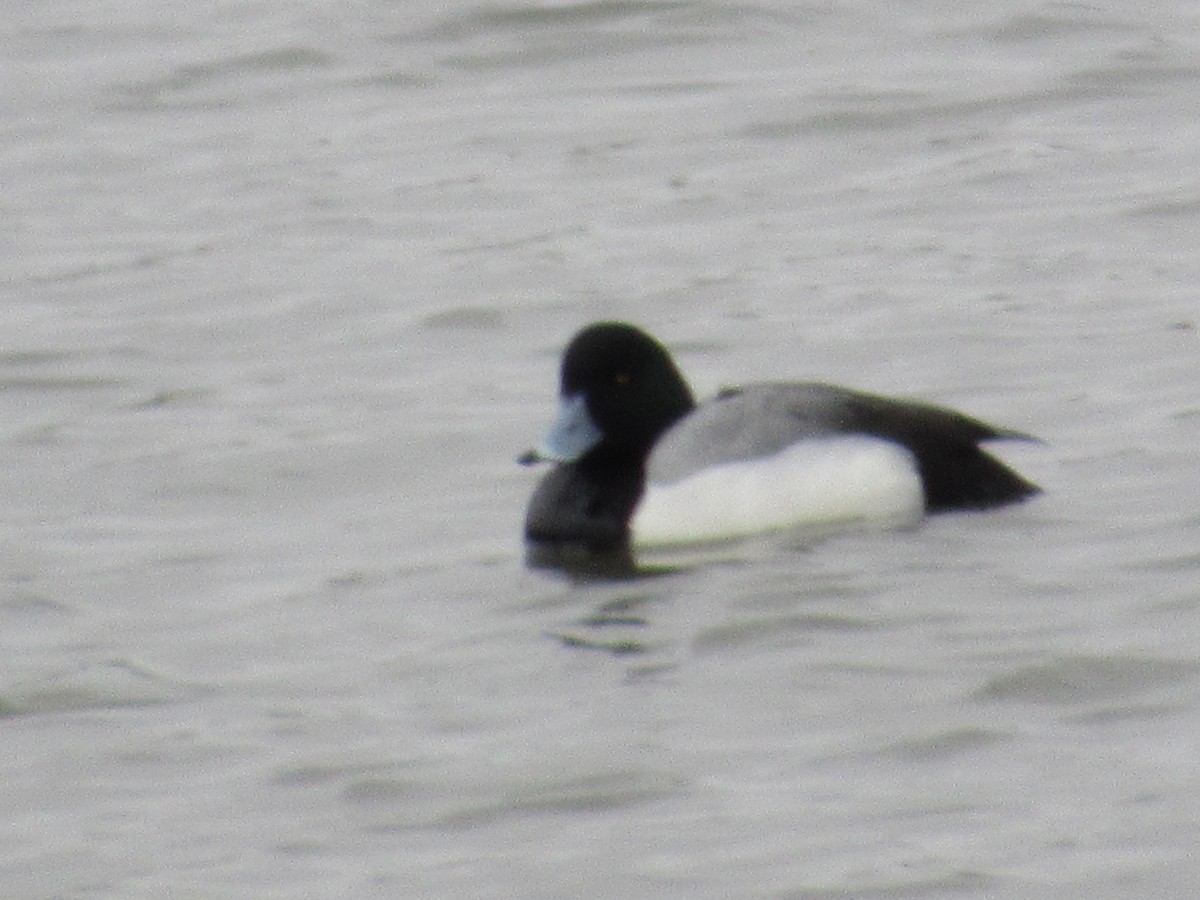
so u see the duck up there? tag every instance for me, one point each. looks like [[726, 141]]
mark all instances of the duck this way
[[637, 462]]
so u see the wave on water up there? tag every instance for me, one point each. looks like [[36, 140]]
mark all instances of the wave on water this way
[[222, 81], [1072, 680], [520, 34], [384, 802], [104, 684]]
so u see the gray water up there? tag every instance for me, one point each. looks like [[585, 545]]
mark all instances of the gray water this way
[[285, 286]]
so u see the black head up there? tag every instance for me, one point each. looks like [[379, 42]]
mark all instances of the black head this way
[[620, 392], [631, 386]]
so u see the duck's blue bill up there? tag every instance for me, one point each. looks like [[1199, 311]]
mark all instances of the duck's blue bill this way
[[571, 435]]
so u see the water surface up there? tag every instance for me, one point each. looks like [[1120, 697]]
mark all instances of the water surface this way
[[285, 289]]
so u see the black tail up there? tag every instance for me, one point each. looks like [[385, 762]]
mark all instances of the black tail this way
[[955, 472], [964, 476]]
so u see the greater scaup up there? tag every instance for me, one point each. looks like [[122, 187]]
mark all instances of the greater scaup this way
[[637, 462]]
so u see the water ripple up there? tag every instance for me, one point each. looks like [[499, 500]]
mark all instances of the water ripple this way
[[778, 631], [108, 684], [221, 79], [389, 802], [520, 35], [1083, 679]]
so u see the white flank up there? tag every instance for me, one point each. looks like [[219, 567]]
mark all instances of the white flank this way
[[818, 481]]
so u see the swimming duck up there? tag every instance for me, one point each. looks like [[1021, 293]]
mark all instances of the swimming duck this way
[[638, 463]]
